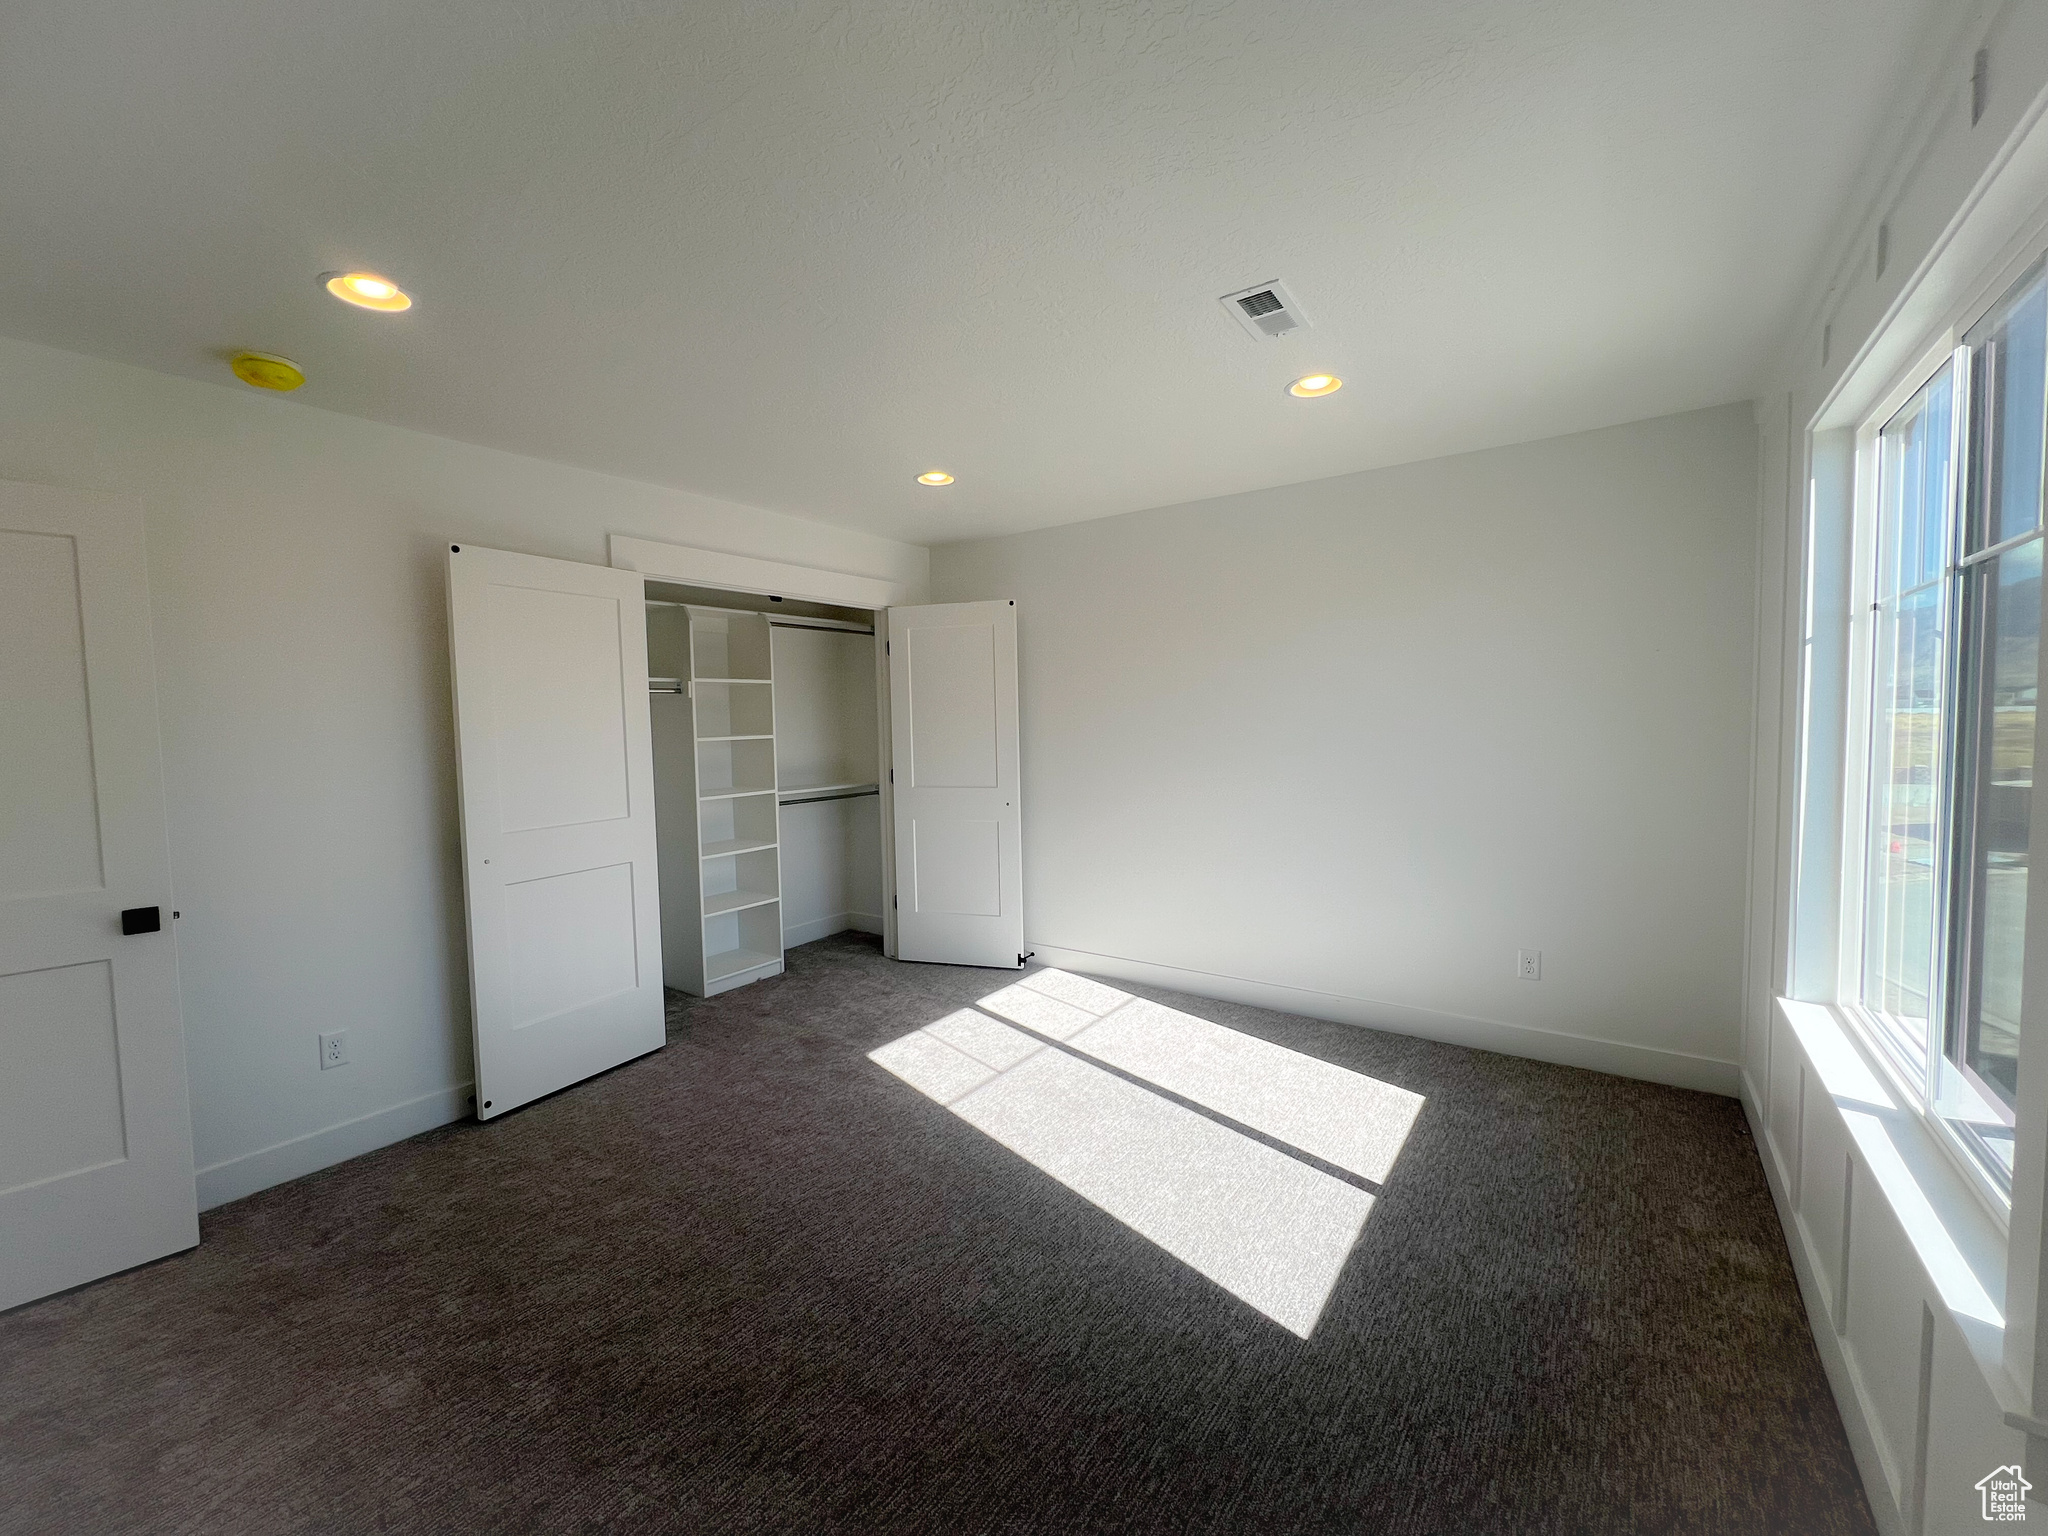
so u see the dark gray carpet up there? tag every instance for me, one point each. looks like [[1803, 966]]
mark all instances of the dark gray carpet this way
[[752, 1283]]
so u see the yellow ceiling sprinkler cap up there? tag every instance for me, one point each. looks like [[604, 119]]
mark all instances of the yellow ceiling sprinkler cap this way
[[266, 370]]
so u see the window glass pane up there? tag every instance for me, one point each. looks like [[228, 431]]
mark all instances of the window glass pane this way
[[2001, 662], [2009, 377], [1976, 1076], [1913, 489], [1898, 912], [1900, 866]]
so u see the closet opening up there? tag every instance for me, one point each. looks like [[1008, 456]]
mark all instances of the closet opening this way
[[768, 744], [669, 772]]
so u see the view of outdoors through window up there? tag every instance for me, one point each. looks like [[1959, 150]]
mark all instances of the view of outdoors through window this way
[[1900, 864], [1955, 642], [1999, 601]]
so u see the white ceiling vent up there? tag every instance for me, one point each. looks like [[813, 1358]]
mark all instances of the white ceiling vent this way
[[1266, 310]]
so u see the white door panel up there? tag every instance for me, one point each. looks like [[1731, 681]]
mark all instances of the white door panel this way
[[558, 831], [95, 1121], [561, 721], [956, 866], [952, 671], [954, 792]]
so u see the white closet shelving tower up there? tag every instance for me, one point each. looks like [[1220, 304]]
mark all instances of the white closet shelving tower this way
[[714, 751]]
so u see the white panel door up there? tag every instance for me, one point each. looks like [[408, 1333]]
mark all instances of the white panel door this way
[[953, 742], [556, 766], [95, 1121]]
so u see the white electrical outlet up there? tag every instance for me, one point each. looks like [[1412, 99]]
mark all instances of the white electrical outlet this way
[[334, 1050], [1529, 964]]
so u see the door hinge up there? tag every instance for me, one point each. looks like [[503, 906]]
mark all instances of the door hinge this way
[[892, 775], [885, 647], [892, 903]]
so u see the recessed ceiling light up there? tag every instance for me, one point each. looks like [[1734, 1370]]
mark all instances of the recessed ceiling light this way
[[935, 477], [366, 290], [1312, 385], [266, 370]]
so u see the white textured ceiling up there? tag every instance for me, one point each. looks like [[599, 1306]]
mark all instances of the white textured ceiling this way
[[794, 253]]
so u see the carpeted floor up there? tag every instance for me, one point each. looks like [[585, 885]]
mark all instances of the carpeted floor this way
[[754, 1283]]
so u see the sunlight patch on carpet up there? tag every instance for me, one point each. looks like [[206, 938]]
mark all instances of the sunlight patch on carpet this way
[[1251, 1212]]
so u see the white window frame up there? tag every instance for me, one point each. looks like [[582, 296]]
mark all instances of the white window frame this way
[[1915, 1081], [1856, 756]]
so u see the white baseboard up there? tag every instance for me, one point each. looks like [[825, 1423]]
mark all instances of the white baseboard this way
[[244, 1175], [235, 1177], [825, 927], [1649, 1063]]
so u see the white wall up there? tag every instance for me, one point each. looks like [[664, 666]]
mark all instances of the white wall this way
[[297, 589], [826, 733], [1363, 739]]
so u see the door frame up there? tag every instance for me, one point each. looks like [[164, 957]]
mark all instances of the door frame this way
[[696, 567]]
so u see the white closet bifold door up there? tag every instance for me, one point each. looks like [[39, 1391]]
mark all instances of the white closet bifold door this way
[[954, 784], [557, 794]]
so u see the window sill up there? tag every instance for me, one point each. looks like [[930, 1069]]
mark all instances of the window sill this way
[[1944, 1214], [1903, 1080]]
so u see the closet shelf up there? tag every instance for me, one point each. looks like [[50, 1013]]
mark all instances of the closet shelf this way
[[664, 685], [735, 901], [763, 736], [732, 961], [732, 845], [763, 681], [729, 793]]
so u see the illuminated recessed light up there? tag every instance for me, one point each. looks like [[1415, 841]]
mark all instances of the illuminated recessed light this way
[[1311, 385], [266, 370], [366, 290], [935, 477]]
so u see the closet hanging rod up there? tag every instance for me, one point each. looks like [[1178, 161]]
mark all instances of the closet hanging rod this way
[[828, 625], [667, 602], [841, 794], [837, 626]]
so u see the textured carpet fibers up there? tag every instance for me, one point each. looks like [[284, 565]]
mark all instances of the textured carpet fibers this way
[[755, 1283]]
